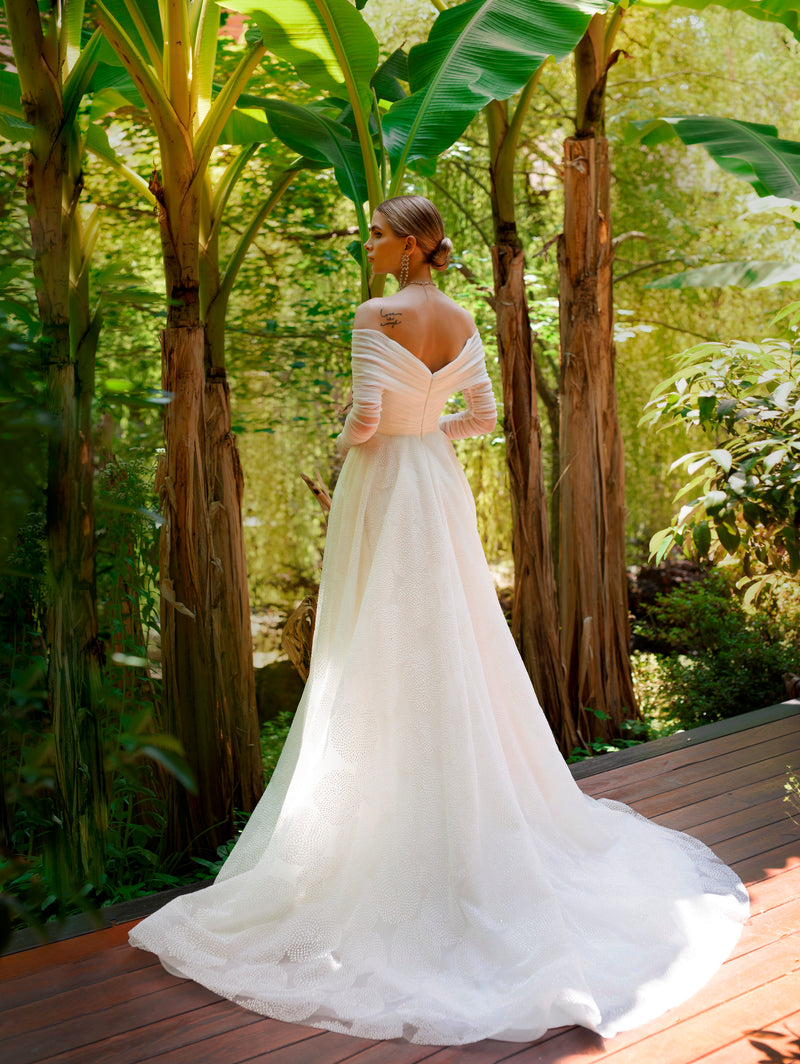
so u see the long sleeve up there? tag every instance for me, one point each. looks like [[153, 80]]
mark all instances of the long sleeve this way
[[480, 415], [362, 421]]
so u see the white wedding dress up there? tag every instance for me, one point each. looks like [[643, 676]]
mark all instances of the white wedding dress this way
[[422, 864]]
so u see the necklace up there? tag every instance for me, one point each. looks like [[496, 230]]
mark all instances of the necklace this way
[[422, 284]]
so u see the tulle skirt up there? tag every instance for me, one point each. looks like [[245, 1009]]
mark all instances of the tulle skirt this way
[[422, 864]]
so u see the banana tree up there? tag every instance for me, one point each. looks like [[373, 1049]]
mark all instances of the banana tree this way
[[535, 620], [592, 579], [367, 126], [209, 700], [372, 131], [748, 150], [40, 102]]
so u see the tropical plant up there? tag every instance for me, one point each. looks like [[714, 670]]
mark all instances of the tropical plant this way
[[40, 102], [209, 698], [725, 658], [744, 488], [369, 128], [751, 151], [371, 131], [592, 581]]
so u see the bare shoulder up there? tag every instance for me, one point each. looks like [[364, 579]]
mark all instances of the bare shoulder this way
[[464, 319], [366, 314], [437, 321], [381, 312]]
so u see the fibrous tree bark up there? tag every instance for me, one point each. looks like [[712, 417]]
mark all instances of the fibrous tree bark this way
[[201, 821], [229, 601], [209, 696], [47, 53], [592, 579], [534, 620]]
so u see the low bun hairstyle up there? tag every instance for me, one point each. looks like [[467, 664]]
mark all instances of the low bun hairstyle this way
[[418, 217]]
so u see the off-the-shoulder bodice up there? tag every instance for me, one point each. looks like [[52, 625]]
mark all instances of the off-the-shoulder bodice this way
[[395, 394]]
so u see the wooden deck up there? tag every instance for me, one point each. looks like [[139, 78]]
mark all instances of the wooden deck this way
[[93, 1000]]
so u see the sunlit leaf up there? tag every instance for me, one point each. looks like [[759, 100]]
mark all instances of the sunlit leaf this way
[[774, 458], [731, 274], [782, 393], [722, 457], [327, 42], [747, 150], [714, 500], [476, 52]]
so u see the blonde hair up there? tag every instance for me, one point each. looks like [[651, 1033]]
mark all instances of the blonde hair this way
[[418, 217]]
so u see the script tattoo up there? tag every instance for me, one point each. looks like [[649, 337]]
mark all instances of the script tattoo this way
[[390, 318]]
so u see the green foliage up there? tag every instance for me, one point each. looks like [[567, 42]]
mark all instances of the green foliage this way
[[745, 487], [751, 151], [273, 737], [681, 211], [637, 733], [476, 52], [38, 884], [792, 796], [23, 422], [740, 274], [786, 12], [726, 659]]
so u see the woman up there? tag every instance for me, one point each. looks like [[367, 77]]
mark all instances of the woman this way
[[422, 864]]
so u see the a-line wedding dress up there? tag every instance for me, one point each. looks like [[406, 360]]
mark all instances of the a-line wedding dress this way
[[422, 864]]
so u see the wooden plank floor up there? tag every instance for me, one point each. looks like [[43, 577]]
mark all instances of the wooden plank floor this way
[[94, 1000]]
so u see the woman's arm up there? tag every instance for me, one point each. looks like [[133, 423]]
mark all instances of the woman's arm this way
[[365, 413], [479, 417]]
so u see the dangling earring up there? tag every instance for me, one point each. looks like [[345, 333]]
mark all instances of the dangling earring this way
[[404, 270]]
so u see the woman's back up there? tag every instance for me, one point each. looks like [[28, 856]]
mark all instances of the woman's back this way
[[427, 323]]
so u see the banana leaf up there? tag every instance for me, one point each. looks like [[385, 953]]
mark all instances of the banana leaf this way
[[726, 274], [787, 12], [748, 150], [477, 52], [327, 42], [318, 138]]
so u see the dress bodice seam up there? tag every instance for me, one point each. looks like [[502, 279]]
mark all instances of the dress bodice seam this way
[[432, 373]]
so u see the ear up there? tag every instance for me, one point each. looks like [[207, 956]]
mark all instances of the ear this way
[[410, 245]]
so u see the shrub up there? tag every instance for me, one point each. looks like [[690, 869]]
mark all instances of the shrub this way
[[725, 659]]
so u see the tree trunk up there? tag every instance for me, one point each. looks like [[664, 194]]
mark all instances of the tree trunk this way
[[191, 708], [534, 618], [592, 580], [230, 597], [53, 185], [204, 612], [534, 621]]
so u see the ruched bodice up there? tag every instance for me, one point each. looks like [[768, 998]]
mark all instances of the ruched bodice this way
[[395, 394]]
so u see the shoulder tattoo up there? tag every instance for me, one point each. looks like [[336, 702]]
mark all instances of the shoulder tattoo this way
[[390, 318]]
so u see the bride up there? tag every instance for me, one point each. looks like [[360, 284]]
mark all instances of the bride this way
[[422, 864]]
